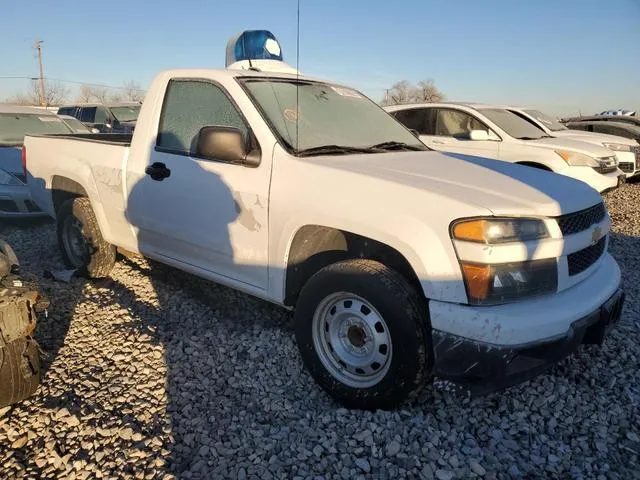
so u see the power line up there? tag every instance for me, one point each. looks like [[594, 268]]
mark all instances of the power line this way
[[73, 82], [95, 84]]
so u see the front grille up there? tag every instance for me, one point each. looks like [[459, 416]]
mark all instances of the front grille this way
[[605, 169], [31, 206], [583, 259], [8, 206], [579, 221], [627, 167], [636, 151]]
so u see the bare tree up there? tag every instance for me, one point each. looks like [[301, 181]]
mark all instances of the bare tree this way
[[85, 94], [399, 93], [54, 94], [427, 92], [100, 94], [116, 97], [133, 92], [403, 92]]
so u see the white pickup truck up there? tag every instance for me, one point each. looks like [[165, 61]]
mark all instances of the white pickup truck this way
[[401, 263]]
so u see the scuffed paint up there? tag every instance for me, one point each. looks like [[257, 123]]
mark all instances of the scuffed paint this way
[[246, 216], [108, 177]]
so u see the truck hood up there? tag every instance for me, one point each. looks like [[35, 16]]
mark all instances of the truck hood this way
[[503, 188], [593, 137], [555, 143]]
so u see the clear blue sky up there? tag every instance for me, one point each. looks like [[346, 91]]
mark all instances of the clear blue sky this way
[[558, 55]]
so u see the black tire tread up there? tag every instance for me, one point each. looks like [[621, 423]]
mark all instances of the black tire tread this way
[[104, 254], [404, 294], [14, 384]]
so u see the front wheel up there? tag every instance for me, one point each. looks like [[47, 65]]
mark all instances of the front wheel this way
[[363, 333]]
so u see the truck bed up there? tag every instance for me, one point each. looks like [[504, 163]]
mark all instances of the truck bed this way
[[121, 139]]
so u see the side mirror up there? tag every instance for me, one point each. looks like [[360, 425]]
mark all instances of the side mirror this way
[[226, 144], [108, 125], [479, 135]]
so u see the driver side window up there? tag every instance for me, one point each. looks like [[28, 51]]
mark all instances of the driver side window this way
[[458, 124]]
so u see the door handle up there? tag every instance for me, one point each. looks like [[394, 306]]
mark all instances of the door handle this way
[[158, 171]]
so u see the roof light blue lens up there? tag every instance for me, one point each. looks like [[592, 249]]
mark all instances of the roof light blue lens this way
[[257, 45]]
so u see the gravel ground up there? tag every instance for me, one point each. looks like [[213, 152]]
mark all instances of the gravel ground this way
[[156, 374]]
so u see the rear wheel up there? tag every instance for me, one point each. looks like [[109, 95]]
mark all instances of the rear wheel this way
[[80, 239], [362, 331]]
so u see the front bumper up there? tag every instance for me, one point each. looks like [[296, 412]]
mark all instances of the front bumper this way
[[628, 163], [16, 202], [484, 367], [600, 182]]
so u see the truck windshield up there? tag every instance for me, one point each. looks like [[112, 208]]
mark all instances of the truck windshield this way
[[126, 114], [329, 119], [512, 124], [549, 122], [14, 126]]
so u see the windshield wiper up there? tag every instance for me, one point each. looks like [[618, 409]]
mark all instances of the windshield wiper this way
[[398, 146], [335, 150]]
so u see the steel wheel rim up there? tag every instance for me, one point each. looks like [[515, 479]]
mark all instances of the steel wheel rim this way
[[75, 243], [352, 340]]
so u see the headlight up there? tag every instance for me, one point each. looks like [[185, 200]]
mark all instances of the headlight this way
[[8, 179], [576, 159], [502, 283], [617, 147], [499, 230]]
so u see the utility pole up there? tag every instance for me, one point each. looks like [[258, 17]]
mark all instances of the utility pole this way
[[37, 45]]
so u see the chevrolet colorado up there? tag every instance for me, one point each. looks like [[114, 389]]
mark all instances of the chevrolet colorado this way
[[401, 263]]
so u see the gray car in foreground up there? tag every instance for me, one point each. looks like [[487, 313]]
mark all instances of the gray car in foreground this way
[[15, 122]]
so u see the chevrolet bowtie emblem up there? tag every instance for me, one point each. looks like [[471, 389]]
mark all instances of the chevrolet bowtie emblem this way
[[596, 235]]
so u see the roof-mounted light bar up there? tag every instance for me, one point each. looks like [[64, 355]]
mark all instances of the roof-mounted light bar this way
[[258, 50]]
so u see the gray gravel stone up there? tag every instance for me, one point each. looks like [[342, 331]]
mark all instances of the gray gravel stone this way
[[392, 449], [444, 474], [363, 465], [477, 468]]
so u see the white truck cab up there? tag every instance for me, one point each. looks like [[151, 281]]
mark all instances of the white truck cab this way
[[626, 150], [401, 263], [494, 132]]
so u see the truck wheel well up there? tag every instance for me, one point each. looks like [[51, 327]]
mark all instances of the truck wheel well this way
[[314, 247], [535, 165], [62, 189]]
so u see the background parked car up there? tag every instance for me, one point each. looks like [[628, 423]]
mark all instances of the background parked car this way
[[493, 132], [118, 117], [76, 125], [620, 111], [605, 118], [626, 150], [15, 122], [620, 129]]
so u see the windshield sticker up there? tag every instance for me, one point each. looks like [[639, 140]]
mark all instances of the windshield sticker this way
[[49, 119], [346, 92], [290, 114]]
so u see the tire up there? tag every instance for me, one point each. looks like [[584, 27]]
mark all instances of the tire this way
[[94, 259], [388, 376], [19, 370], [19, 353]]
